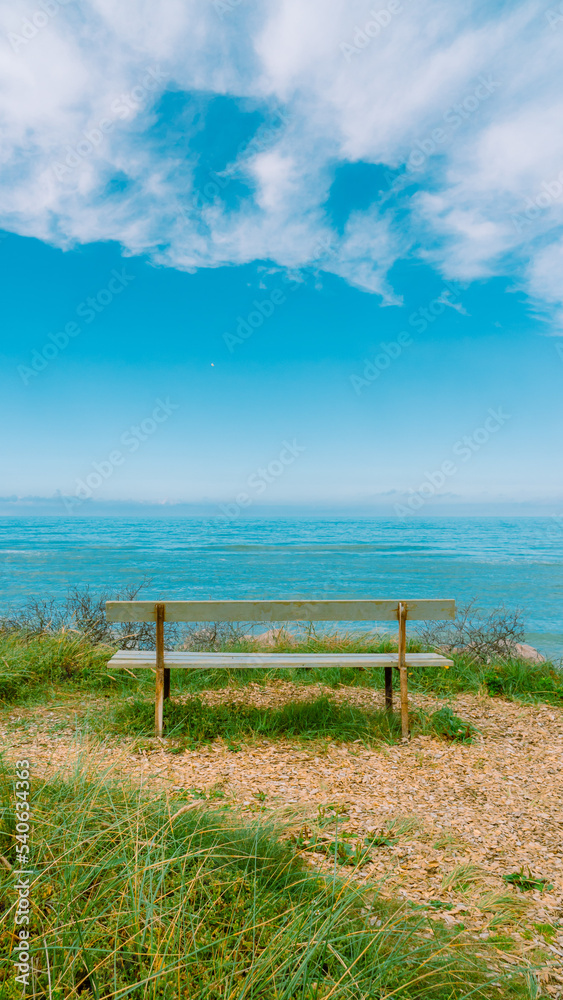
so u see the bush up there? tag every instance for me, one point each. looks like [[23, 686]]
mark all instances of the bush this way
[[84, 613], [481, 636]]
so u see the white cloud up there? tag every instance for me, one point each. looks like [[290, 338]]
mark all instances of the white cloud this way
[[544, 280], [277, 180], [414, 93]]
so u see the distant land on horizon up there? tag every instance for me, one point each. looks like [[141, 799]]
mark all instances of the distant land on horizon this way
[[381, 506]]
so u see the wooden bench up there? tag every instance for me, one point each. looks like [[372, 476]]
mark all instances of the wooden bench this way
[[278, 611]]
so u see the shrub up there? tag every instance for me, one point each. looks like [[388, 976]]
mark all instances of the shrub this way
[[480, 635], [83, 612]]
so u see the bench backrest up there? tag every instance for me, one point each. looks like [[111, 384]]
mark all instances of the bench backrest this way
[[280, 611]]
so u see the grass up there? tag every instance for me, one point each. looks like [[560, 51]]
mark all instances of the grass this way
[[155, 898], [513, 679], [194, 722], [462, 877], [38, 668], [32, 666], [527, 883], [503, 907], [343, 847]]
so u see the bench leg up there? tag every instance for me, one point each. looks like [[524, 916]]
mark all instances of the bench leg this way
[[405, 733], [160, 671], [166, 683], [159, 702], [388, 689], [401, 651]]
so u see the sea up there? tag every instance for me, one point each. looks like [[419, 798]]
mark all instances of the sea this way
[[515, 562]]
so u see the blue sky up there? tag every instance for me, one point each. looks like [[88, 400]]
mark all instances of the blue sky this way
[[266, 255]]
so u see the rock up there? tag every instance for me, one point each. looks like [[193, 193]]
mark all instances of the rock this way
[[271, 638], [526, 652]]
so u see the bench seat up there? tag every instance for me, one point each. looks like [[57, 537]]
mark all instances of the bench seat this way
[[140, 659]]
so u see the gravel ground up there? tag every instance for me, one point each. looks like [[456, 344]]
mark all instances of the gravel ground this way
[[457, 817]]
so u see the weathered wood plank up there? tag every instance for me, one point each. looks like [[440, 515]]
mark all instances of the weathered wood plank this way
[[129, 658], [280, 611]]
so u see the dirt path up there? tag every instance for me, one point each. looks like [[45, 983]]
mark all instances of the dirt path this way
[[458, 818]]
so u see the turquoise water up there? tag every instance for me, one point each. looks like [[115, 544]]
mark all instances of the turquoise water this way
[[517, 561]]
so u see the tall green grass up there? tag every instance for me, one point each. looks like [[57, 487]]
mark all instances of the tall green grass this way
[[152, 899], [510, 678], [32, 666], [194, 722], [35, 666]]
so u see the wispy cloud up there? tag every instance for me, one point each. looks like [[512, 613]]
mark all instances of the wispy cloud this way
[[470, 96]]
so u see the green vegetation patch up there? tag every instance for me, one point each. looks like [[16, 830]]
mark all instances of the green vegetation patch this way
[[528, 883], [193, 722], [527, 681], [35, 666], [163, 899], [449, 726], [512, 678]]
